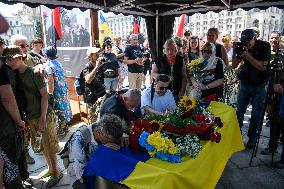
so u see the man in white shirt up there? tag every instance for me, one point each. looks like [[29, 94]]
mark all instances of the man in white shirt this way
[[157, 99]]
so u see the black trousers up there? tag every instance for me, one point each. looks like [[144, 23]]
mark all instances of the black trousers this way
[[276, 132]]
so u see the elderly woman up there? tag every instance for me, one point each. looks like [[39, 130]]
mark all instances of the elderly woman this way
[[173, 65], [58, 88], [211, 83]]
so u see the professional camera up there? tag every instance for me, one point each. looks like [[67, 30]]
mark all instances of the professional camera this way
[[239, 49], [276, 63]]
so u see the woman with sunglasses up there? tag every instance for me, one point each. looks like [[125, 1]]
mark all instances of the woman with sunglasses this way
[[211, 84], [172, 65], [111, 68]]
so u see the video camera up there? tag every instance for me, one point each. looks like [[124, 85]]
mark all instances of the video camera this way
[[239, 49]]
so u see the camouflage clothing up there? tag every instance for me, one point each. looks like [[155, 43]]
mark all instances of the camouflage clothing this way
[[49, 142], [94, 109]]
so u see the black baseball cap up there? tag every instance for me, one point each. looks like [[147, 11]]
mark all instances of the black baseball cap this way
[[247, 35]]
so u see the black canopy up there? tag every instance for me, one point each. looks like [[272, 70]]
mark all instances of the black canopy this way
[[162, 12]]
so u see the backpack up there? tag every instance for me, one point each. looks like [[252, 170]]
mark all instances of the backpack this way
[[64, 153], [80, 83]]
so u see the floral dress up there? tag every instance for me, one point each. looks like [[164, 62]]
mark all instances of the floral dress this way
[[60, 93]]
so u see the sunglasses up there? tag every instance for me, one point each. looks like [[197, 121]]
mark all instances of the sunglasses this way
[[206, 51], [23, 45]]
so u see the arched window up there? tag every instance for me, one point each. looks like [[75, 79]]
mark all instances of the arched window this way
[[255, 23]]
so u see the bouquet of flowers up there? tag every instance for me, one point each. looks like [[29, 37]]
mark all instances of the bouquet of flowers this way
[[197, 70], [178, 134]]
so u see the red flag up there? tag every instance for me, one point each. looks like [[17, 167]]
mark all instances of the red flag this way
[[136, 26], [181, 26], [57, 23]]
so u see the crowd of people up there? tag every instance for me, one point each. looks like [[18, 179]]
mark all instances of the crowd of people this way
[[35, 105]]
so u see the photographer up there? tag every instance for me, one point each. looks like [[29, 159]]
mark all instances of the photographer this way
[[94, 92], [255, 55], [273, 106]]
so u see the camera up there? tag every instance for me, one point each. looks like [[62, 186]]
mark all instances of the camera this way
[[276, 63], [239, 49]]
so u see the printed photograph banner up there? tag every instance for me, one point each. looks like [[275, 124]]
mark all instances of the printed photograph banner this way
[[75, 27]]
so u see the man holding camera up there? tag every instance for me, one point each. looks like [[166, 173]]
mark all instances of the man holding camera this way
[[94, 92], [255, 55], [274, 107]]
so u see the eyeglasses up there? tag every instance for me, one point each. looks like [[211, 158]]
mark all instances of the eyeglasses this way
[[206, 51], [23, 45]]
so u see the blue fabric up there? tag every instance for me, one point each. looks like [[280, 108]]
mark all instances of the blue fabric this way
[[256, 95], [101, 164], [281, 113]]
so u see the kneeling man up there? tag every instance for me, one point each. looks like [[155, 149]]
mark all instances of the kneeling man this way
[[157, 99]]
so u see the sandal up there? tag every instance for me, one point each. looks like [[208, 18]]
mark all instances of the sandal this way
[[54, 180], [44, 174]]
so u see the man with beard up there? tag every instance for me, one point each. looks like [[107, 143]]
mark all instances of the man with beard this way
[[276, 123], [157, 99]]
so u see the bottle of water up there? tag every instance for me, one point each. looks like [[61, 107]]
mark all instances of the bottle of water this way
[[37, 146]]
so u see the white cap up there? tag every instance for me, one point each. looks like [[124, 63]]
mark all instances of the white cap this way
[[92, 50]]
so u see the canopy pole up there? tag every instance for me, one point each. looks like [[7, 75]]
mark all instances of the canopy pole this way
[[157, 33]]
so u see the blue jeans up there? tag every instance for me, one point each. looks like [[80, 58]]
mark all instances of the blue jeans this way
[[256, 95], [111, 83]]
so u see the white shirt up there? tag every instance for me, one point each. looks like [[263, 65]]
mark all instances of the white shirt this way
[[78, 155], [159, 103]]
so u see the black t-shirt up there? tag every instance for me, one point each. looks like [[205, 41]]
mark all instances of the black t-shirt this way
[[133, 52], [249, 74], [4, 78], [7, 127], [96, 87], [211, 75], [174, 70], [110, 68], [114, 105], [36, 58]]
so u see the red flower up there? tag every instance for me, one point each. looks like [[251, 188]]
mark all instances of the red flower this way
[[199, 117], [186, 114], [218, 121]]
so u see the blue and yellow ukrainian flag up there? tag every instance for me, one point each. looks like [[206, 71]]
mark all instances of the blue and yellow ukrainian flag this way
[[140, 171], [104, 29]]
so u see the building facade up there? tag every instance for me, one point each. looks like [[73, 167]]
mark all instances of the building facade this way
[[234, 22], [122, 26]]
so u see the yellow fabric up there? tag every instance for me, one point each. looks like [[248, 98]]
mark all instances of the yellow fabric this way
[[202, 172], [104, 30]]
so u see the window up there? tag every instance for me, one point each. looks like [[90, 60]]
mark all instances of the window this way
[[11, 23], [205, 23], [12, 32], [18, 31], [17, 22]]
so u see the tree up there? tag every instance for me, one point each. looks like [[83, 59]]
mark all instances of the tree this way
[[38, 29]]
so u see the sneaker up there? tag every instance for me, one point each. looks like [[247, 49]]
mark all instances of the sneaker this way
[[53, 180], [29, 159], [279, 165], [267, 151], [28, 183], [250, 144]]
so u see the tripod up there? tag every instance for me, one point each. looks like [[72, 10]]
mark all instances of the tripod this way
[[272, 79]]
